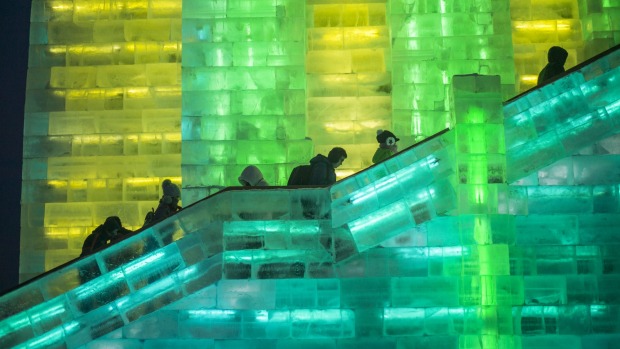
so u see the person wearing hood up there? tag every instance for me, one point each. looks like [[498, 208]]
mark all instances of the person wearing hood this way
[[168, 204], [323, 169], [387, 146], [105, 234], [556, 58], [251, 176]]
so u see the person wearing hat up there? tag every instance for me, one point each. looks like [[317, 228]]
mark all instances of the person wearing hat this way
[[387, 146], [168, 204]]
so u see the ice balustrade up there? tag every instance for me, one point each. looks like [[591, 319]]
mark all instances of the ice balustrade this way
[[288, 235], [547, 124]]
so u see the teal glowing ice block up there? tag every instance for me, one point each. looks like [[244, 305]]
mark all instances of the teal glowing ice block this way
[[432, 42], [552, 122], [243, 92]]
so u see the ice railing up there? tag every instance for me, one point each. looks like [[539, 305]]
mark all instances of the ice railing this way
[[234, 234], [556, 120]]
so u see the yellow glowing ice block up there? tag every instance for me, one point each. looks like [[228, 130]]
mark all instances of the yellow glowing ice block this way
[[349, 79], [103, 102]]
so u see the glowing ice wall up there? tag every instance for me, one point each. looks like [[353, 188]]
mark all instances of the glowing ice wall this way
[[244, 92], [599, 20], [538, 25], [349, 78], [102, 120], [434, 40]]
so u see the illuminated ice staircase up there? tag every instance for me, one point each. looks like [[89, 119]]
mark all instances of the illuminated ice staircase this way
[[499, 233]]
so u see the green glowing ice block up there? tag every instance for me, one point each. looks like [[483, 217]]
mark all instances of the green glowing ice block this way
[[432, 42], [243, 92]]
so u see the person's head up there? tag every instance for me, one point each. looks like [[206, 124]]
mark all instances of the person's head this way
[[251, 176], [336, 156], [557, 55], [112, 225], [387, 139], [172, 193]]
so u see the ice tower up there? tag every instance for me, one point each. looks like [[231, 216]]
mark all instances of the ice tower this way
[[498, 233], [122, 94]]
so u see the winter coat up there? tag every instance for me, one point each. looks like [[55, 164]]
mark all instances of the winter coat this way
[[253, 176], [556, 58], [381, 154], [323, 172], [101, 237]]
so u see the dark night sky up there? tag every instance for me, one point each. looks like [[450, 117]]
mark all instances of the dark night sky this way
[[15, 21]]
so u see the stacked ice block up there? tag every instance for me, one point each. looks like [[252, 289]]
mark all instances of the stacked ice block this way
[[101, 128], [349, 78], [244, 91], [434, 40], [599, 21], [538, 25]]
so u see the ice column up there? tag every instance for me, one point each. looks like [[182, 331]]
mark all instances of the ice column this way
[[486, 233], [434, 40], [102, 120], [243, 91]]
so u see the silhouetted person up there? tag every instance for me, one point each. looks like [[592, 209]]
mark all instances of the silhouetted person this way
[[556, 57], [168, 204], [105, 234], [251, 176], [387, 146], [323, 170]]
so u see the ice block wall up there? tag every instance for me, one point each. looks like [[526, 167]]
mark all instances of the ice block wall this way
[[599, 21], [434, 40], [244, 91], [538, 25], [349, 78], [102, 120]]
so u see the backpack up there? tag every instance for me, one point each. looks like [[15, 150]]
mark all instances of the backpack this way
[[300, 175]]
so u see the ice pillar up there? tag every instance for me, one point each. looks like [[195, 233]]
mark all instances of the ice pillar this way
[[485, 231]]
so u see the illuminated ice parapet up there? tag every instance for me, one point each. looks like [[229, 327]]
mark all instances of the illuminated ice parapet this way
[[559, 119]]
